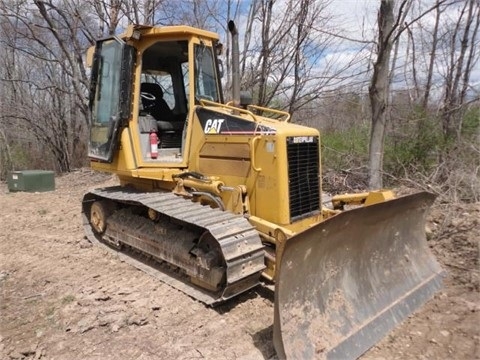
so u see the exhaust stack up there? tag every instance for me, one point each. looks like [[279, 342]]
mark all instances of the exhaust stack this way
[[235, 64]]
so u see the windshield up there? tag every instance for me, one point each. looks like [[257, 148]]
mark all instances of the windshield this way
[[205, 76]]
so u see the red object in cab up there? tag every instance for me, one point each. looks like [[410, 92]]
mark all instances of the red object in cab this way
[[153, 144]]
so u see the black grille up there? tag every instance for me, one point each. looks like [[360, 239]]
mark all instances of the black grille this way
[[303, 175]]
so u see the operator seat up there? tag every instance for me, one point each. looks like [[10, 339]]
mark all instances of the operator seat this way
[[158, 108]]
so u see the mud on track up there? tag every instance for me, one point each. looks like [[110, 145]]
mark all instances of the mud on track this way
[[61, 298]]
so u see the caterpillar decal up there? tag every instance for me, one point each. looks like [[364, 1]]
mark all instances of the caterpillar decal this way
[[213, 122]]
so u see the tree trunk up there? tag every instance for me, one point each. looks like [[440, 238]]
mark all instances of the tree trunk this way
[[264, 72], [5, 156], [431, 63], [459, 71], [378, 93]]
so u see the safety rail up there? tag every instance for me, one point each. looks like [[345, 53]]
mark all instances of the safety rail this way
[[274, 111], [234, 109], [248, 112]]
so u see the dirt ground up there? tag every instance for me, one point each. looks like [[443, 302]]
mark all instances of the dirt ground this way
[[61, 298]]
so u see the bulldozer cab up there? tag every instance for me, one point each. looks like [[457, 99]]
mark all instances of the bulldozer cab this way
[[150, 82]]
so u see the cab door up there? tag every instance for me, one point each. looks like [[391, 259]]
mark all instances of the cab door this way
[[110, 95]]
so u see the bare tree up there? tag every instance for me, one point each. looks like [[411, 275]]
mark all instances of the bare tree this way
[[462, 57], [292, 60], [379, 89], [391, 25], [431, 63], [47, 41]]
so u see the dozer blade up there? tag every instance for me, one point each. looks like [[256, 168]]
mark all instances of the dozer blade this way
[[343, 284]]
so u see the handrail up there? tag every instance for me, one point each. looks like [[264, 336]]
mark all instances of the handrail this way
[[275, 111], [204, 102], [252, 154]]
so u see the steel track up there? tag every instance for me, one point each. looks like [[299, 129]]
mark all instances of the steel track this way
[[239, 242]]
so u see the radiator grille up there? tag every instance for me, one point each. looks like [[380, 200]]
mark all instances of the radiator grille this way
[[303, 175]]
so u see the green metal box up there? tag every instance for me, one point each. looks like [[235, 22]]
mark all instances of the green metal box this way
[[31, 180]]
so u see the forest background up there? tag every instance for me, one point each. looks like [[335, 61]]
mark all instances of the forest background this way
[[393, 85]]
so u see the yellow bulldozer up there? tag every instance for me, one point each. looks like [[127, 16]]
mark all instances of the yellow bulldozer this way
[[218, 197]]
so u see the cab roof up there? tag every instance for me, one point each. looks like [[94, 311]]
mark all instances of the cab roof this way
[[135, 31]]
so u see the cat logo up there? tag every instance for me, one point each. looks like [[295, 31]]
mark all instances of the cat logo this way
[[213, 126]]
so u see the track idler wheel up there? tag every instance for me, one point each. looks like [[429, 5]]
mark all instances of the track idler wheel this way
[[99, 212], [208, 254]]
